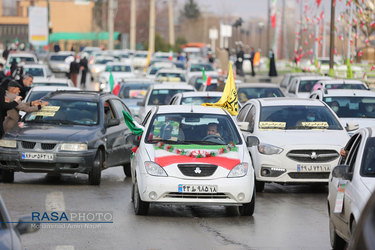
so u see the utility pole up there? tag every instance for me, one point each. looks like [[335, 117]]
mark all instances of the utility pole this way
[[350, 31], [324, 48], [133, 24], [283, 36], [268, 25], [332, 37], [110, 24], [151, 34], [171, 23]]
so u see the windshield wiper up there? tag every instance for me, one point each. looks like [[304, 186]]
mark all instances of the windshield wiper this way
[[52, 121], [166, 141]]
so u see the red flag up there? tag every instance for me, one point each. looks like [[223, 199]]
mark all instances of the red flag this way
[[372, 68], [360, 53], [318, 2], [322, 14]]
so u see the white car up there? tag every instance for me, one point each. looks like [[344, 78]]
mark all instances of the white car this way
[[38, 71], [98, 65], [297, 140], [152, 70], [139, 60], [339, 84], [170, 75], [60, 61], [161, 94], [52, 82], [354, 107], [351, 184], [26, 58], [301, 86], [247, 91], [287, 79], [193, 155], [194, 69], [120, 71]]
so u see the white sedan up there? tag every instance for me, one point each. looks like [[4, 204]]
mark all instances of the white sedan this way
[[297, 140], [351, 185], [120, 71], [193, 155]]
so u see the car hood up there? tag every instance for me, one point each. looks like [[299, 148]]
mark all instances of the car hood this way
[[38, 132], [164, 156], [282, 138], [362, 122], [369, 183]]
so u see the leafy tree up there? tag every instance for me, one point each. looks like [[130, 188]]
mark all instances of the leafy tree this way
[[191, 10]]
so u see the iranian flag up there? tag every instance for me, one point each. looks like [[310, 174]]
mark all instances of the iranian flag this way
[[206, 79], [170, 55], [114, 86], [273, 13]]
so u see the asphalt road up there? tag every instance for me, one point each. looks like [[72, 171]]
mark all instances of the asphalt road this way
[[286, 217]]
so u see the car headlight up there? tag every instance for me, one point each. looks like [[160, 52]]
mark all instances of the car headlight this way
[[239, 171], [8, 143], [73, 147], [154, 169], [268, 149]]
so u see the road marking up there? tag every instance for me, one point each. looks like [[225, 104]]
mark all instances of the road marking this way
[[55, 201], [67, 247]]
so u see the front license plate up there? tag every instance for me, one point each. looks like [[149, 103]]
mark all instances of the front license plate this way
[[313, 168], [37, 156], [182, 188]]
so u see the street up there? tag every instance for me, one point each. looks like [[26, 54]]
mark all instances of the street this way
[[286, 217]]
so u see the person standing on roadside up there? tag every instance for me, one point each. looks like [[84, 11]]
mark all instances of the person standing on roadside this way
[[84, 68], [252, 55], [272, 71], [239, 61], [74, 71]]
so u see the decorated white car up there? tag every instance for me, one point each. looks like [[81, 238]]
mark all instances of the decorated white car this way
[[191, 155]]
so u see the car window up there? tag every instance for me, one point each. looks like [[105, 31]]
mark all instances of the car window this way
[[119, 107], [108, 111], [352, 156], [368, 160], [163, 96], [293, 86], [246, 93], [345, 86], [118, 68], [58, 57], [243, 112], [305, 86], [198, 100], [36, 72], [146, 118], [352, 106], [36, 95], [250, 118], [347, 148], [131, 91]]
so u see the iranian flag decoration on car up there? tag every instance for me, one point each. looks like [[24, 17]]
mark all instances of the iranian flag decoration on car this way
[[206, 79], [114, 86]]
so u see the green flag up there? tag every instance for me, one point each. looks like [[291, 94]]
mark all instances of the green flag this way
[[204, 77], [111, 81], [130, 123]]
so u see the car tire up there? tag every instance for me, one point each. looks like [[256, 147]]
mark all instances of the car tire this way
[[127, 170], [247, 209], [140, 207], [336, 241], [259, 186], [96, 172], [7, 176]]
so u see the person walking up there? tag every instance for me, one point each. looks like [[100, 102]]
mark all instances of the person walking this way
[[239, 61], [252, 55], [74, 70], [84, 68], [272, 71]]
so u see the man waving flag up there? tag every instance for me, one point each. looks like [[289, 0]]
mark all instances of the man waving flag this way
[[229, 99]]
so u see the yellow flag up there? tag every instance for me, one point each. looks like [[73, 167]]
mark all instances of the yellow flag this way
[[148, 60], [229, 99]]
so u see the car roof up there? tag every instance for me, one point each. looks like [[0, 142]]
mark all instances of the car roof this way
[[341, 81], [23, 54], [76, 95], [137, 80], [284, 101], [118, 63], [35, 66], [317, 77], [172, 86], [171, 70], [52, 88], [165, 109], [348, 92], [257, 85], [62, 53], [201, 94], [50, 80]]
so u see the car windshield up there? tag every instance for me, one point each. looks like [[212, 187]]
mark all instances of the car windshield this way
[[163, 96], [133, 91], [368, 160], [118, 68], [192, 128], [36, 95], [103, 61], [58, 57], [35, 71], [22, 59], [51, 84], [297, 117], [141, 55], [352, 106], [66, 112], [200, 67], [306, 85], [197, 100], [171, 75], [244, 94], [345, 86]]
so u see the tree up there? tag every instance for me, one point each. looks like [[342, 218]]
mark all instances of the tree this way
[[191, 10], [364, 14]]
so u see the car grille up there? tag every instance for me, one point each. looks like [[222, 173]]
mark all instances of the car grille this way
[[48, 146], [317, 175], [197, 196], [198, 170], [313, 155], [28, 144]]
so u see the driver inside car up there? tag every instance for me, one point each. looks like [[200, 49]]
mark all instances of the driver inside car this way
[[212, 129]]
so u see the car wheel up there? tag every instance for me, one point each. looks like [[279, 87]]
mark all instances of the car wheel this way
[[259, 186], [96, 172], [8, 176], [336, 241], [127, 170], [247, 209], [140, 207]]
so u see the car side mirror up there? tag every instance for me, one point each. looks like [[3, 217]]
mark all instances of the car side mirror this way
[[113, 122], [351, 126], [133, 140], [244, 126], [252, 141], [342, 172], [24, 226]]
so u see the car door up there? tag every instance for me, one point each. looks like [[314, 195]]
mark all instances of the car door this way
[[292, 88], [243, 112], [123, 150]]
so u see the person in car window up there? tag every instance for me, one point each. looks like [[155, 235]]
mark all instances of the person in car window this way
[[335, 106], [212, 129], [166, 130], [311, 116]]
